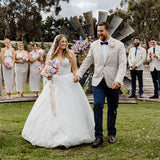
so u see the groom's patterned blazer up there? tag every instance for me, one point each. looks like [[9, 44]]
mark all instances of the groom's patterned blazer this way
[[114, 67]]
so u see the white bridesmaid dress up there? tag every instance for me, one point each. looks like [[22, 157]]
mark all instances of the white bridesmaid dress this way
[[8, 74], [21, 71], [34, 77]]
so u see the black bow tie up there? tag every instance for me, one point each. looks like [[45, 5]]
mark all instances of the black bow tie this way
[[106, 43]]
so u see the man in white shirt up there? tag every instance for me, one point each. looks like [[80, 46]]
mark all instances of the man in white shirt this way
[[136, 58], [154, 61], [109, 58]]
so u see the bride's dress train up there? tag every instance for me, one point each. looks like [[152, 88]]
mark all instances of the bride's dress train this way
[[69, 123]]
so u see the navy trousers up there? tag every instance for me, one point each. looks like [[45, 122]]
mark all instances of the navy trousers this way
[[100, 92], [139, 74], [156, 81]]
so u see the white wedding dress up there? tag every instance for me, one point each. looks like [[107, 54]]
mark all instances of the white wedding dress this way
[[69, 122]]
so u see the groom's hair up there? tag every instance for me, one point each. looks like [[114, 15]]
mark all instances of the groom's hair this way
[[105, 24]]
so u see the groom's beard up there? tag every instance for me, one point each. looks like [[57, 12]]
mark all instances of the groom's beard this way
[[136, 45], [102, 37]]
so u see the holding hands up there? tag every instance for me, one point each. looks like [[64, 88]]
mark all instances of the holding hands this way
[[76, 78]]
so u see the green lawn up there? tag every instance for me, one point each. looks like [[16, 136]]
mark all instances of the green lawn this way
[[138, 136]]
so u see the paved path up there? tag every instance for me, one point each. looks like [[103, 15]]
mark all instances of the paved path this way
[[123, 99], [29, 98]]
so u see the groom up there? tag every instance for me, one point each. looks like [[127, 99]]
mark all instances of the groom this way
[[109, 58]]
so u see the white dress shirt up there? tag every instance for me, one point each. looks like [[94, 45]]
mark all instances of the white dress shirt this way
[[104, 48]]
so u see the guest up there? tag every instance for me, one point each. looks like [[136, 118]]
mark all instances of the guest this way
[[154, 62], [136, 58], [8, 59], [21, 69], [35, 77]]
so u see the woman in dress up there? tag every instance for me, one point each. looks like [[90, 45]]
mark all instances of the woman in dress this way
[[35, 77], [21, 69], [61, 116], [8, 59]]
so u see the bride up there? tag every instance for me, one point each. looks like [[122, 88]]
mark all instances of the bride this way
[[61, 116]]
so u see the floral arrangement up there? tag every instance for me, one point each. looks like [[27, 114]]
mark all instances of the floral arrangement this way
[[49, 69], [9, 63], [41, 52], [25, 57], [82, 45]]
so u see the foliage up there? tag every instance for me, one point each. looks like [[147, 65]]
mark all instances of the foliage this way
[[138, 128], [42, 44], [25, 44], [143, 16], [23, 19], [2, 45], [33, 40]]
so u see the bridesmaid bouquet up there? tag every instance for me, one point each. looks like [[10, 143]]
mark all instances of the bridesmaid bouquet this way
[[41, 52], [25, 57], [49, 69], [9, 63]]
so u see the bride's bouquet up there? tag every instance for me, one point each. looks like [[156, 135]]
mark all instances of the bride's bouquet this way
[[49, 69], [41, 52], [9, 63], [25, 57]]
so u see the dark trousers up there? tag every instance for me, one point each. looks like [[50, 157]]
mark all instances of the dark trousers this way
[[156, 81], [139, 74], [100, 92]]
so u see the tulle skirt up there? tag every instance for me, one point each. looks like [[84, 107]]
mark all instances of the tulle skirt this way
[[61, 116]]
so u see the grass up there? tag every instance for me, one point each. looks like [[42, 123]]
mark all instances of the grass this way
[[138, 136]]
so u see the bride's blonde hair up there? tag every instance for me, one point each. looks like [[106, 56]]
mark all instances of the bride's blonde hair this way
[[57, 46]]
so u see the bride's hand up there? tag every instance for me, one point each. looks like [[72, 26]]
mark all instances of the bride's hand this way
[[76, 78], [49, 78]]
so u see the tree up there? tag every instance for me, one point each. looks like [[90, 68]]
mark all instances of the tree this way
[[23, 19], [143, 16]]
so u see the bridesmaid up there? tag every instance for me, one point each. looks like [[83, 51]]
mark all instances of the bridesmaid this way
[[35, 77], [8, 59], [21, 69]]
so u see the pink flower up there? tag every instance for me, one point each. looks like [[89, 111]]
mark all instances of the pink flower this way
[[41, 52], [111, 45], [25, 57], [49, 69], [9, 64]]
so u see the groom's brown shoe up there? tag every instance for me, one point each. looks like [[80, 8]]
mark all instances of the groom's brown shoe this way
[[97, 142]]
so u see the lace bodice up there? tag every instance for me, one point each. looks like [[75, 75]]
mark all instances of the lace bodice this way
[[8, 54], [34, 54], [64, 67], [19, 56]]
